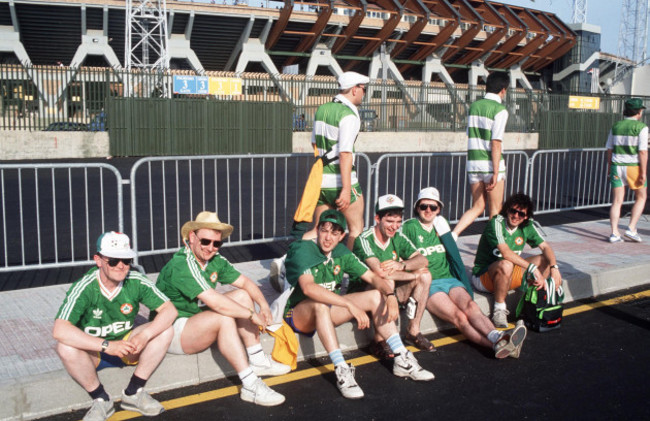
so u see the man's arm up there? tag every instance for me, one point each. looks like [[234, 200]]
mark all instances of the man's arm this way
[[383, 286], [224, 305], [643, 166], [495, 146], [516, 259], [401, 271], [255, 293], [549, 254], [345, 164], [166, 313], [69, 334]]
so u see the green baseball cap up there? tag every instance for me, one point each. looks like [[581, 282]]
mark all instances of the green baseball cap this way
[[634, 104], [335, 217]]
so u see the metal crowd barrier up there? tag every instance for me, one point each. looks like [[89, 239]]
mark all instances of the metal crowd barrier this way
[[52, 214], [571, 179], [406, 174], [257, 194]]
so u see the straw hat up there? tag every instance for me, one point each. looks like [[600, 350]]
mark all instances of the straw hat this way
[[208, 220]]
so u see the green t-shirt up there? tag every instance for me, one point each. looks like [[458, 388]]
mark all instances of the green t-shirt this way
[[328, 271], [497, 233], [109, 315], [429, 245], [367, 245], [183, 278]]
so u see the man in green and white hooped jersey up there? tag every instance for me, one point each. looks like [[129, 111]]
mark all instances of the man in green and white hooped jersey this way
[[486, 169], [450, 298], [315, 269], [336, 127], [206, 316], [627, 158], [498, 266], [94, 328]]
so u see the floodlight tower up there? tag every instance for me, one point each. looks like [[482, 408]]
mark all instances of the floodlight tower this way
[[146, 36], [632, 34], [579, 11]]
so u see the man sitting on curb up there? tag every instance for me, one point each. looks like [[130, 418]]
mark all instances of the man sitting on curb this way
[[94, 328], [498, 266], [393, 256], [450, 295], [206, 316], [316, 270]]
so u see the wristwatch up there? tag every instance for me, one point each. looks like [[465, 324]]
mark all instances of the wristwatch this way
[[104, 345], [555, 267]]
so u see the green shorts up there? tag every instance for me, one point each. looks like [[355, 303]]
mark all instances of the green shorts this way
[[329, 196], [445, 285]]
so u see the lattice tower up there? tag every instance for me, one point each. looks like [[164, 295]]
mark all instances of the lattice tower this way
[[146, 35], [633, 33], [579, 11]]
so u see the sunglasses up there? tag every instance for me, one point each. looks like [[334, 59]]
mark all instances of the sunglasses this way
[[215, 243], [513, 212], [113, 261], [424, 207], [362, 87]]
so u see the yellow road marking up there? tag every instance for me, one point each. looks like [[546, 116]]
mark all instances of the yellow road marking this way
[[363, 360]]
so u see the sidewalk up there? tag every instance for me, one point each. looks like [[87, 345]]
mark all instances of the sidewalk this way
[[34, 384]]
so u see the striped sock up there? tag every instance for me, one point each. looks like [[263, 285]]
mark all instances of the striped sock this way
[[395, 344], [337, 357], [247, 377]]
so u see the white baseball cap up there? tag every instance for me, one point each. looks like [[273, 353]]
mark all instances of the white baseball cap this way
[[430, 193], [115, 244], [350, 79], [388, 202]]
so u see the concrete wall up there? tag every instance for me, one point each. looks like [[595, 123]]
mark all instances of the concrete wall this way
[[19, 145]]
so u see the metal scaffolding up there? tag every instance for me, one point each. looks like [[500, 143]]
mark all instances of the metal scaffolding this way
[[146, 35], [633, 34]]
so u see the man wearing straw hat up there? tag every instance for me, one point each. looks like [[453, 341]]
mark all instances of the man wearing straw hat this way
[[206, 316]]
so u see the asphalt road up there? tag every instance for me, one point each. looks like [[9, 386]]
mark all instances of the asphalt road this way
[[595, 367]]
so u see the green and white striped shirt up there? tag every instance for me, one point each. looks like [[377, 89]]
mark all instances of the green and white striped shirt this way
[[626, 139], [486, 122]]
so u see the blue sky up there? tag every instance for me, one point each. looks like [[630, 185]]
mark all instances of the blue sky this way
[[604, 13]]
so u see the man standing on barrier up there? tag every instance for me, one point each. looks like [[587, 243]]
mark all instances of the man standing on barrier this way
[[333, 182], [486, 169], [451, 294], [498, 266], [316, 269], [627, 160], [206, 316], [94, 328]]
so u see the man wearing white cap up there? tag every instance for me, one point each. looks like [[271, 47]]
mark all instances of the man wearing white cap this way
[[206, 316], [450, 295], [394, 257], [95, 329]]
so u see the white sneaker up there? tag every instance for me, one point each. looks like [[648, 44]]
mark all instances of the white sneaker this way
[[261, 394], [615, 238], [517, 336], [503, 348], [634, 236], [270, 367], [500, 317], [405, 365], [277, 274], [346, 383], [141, 402], [100, 410]]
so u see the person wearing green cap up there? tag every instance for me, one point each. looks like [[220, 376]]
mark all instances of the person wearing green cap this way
[[627, 161], [315, 270]]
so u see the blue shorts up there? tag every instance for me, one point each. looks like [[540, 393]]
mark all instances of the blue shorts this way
[[445, 285], [288, 317], [106, 361]]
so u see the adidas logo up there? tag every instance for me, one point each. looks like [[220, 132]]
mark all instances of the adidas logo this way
[[97, 313]]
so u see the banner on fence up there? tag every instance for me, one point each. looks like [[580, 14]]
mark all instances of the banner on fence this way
[[203, 85], [584, 102]]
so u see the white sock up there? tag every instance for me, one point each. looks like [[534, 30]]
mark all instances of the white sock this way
[[247, 377], [500, 306], [256, 354], [495, 336]]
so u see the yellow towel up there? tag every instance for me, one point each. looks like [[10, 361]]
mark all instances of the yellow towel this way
[[285, 349], [307, 205]]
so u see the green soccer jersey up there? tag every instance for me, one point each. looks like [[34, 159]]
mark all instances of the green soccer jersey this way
[[367, 245], [496, 233], [626, 139], [110, 315], [429, 245], [328, 273], [486, 121], [183, 278]]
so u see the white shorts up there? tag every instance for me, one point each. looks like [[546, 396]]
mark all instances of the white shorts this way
[[175, 347], [476, 283], [474, 178]]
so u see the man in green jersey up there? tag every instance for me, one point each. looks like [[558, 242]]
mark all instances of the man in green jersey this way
[[450, 295], [498, 266], [315, 269], [627, 159], [393, 256], [206, 316], [486, 169], [94, 328]]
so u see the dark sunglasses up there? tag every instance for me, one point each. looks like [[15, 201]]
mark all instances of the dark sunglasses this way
[[205, 242], [362, 87], [424, 207], [113, 261], [513, 211]]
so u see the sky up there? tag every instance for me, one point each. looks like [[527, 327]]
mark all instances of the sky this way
[[603, 13]]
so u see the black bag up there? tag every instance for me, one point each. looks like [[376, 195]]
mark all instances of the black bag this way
[[542, 309]]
